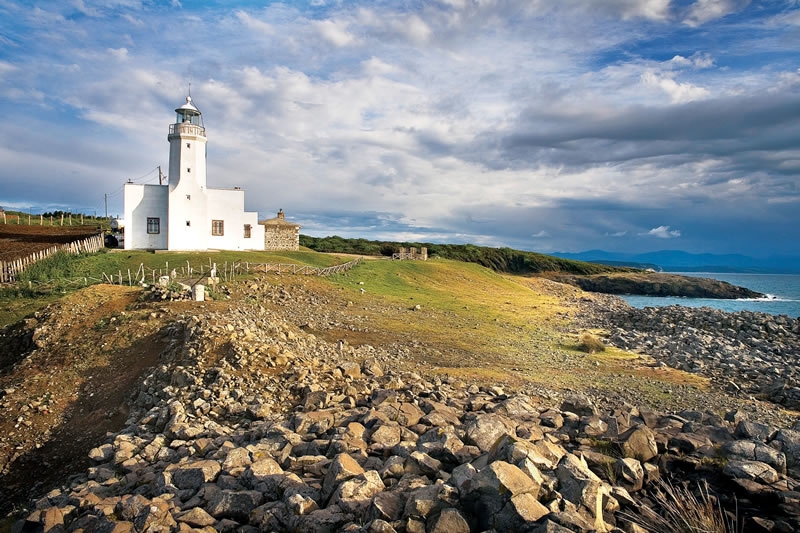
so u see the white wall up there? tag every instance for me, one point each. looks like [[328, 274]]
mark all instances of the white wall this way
[[188, 195], [139, 203], [228, 205]]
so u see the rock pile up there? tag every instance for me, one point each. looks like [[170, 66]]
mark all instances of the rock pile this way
[[171, 291], [744, 352], [253, 425]]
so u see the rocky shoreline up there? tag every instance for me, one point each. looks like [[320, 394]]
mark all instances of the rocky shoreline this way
[[657, 284], [251, 424], [745, 353]]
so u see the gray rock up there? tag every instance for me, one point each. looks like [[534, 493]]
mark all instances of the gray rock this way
[[450, 521], [487, 429], [196, 517], [581, 486], [630, 473], [354, 495], [580, 405], [236, 505], [193, 475], [639, 442], [752, 470], [342, 467], [388, 506]]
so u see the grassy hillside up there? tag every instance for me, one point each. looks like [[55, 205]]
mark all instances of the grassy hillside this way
[[440, 316], [498, 259], [466, 320], [47, 280]]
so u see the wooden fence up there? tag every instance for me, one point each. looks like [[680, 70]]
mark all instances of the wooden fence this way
[[224, 271], [281, 268], [10, 270]]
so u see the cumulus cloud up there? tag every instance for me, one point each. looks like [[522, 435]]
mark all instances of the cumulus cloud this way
[[698, 60], [335, 32], [679, 93], [663, 232], [703, 11], [254, 23]]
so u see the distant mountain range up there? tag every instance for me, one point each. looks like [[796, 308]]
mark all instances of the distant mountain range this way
[[678, 261]]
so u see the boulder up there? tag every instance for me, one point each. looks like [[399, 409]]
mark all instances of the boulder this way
[[485, 430], [342, 467], [355, 494], [639, 443]]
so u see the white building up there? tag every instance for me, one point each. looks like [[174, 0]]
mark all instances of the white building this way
[[186, 214]]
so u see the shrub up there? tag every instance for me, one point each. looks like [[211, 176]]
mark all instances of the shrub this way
[[590, 344], [679, 510]]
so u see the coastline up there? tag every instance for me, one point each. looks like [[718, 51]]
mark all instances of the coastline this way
[[784, 289], [250, 421]]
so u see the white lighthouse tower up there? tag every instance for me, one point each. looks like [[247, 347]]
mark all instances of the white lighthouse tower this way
[[186, 214], [188, 194]]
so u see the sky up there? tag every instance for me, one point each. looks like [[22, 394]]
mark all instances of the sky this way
[[623, 125]]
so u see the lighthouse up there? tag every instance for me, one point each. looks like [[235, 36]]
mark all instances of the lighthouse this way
[[188, 194], [186, 214]]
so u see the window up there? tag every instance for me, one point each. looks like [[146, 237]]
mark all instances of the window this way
[[188, 196], [188, 223], [217, 227], [247, 231], [153, 225], [188, 145], [188, 170]]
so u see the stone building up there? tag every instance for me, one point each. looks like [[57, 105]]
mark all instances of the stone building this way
[[280, 234], [412, 254]]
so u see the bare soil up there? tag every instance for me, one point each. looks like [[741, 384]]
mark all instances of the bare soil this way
[[21, 240], [59, 401]]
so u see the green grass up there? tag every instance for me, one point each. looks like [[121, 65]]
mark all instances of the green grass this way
[[49, 279], [444, 285], [468, 312], [498, 259]]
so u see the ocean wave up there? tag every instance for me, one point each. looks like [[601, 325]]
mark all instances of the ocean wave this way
[[767, 298]]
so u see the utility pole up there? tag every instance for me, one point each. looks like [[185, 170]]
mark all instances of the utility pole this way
[[159, 175], [105, 196]]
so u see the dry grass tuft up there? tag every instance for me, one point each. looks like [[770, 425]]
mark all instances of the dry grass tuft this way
[[590, 344], [679, 510]]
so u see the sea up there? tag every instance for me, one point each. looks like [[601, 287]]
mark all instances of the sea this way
[[782, 290]]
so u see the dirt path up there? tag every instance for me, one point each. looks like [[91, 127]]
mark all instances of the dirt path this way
[[60, 400]]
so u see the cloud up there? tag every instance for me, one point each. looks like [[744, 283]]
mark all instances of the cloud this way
[[703, 11], [253, 23], [679, 93], [698, 60], [663, 232], [6, 67], [335, 32], [118, 53], [422, 118]]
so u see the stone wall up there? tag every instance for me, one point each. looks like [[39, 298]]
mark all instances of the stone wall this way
[[281, 237], [411, 253]]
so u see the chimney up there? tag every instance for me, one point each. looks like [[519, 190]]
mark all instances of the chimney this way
[[280, 214]]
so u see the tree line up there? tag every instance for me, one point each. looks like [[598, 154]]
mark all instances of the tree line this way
[[498, 259]]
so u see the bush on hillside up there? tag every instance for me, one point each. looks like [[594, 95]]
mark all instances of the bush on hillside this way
[[590, 344]]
